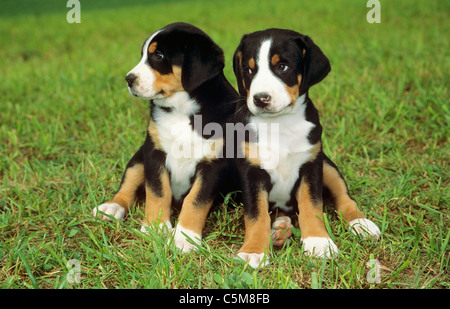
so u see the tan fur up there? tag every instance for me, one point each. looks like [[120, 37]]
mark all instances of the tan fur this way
[[153, 131], [293, 91], [133, 178], [152, 47], [157, 208], [250, 151], [251, 64], [275, 59], [344, 204], [194, 211], [239, 56], [257, 231], [216, 151], [168, 84], [310, 216], [315, 150]]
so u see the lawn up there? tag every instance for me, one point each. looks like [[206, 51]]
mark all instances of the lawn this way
[[68, 127]]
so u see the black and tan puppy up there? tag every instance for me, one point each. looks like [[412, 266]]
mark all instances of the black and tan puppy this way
[[284, 170], [181, 73]]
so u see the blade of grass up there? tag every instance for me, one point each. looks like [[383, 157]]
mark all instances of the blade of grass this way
[[28, 269]]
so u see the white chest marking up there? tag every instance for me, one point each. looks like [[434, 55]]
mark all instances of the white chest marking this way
[[184, 146], [283, 147]]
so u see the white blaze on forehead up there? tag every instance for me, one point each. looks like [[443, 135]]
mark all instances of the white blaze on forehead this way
[[145, 48], [264, 55], [147, 43], [266, 81], [144, 76], [264, 76]]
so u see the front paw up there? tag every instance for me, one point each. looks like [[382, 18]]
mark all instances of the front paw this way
[[111, 209], [255, 260], [365, 228], [186, 240], [320, 247]]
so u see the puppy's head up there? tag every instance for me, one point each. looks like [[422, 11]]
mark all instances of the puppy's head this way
[[275, 67], [179, 57]]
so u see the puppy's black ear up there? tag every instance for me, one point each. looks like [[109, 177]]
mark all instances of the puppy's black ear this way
[[316, 64], [203, 59], [237, 67]]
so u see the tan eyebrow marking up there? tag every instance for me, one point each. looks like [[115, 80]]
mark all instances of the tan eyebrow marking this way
[[152, 47], [251, 63], [275, 59]]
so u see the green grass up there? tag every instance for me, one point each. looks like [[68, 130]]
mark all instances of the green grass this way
[[68, 127]]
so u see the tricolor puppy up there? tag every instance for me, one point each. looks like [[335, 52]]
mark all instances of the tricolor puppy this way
[[274, 70], [181, 73]]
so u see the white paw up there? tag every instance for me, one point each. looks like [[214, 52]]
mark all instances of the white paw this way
[[184, 243], [255, 260], [320, 247], [112, 209], [165, 227], [365, 228]]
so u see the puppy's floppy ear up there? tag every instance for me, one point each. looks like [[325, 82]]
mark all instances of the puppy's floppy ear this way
[[237, 67], [203, 59], [316, 64]]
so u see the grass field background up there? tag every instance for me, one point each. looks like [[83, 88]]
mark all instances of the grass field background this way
[[68, 127]]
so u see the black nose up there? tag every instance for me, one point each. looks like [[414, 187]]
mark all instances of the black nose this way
[[262, 99], [130, 78]]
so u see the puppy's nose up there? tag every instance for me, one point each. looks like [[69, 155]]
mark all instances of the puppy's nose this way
[[130, 78], [262, 99]]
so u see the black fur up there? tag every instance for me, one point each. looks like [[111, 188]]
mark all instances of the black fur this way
[[201, 61], [301, 54]]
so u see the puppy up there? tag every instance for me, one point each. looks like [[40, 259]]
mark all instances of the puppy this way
[[181, 161], [282, 166]]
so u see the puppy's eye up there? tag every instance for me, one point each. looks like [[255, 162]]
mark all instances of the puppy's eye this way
[[249, 71], [283, 67], [158, 55]]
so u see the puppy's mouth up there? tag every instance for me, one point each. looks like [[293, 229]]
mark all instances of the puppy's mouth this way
[[271, 111], [131, 91], [268, 112], [159, 95]]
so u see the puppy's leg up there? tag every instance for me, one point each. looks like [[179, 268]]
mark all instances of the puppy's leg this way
[[315, 237], [192, 219], [158, 194], [132, 180], [257, 232], [345, 204], [197, 204], [256, 187]]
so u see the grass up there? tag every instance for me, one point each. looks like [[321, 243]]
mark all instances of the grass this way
[[68, 127]]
